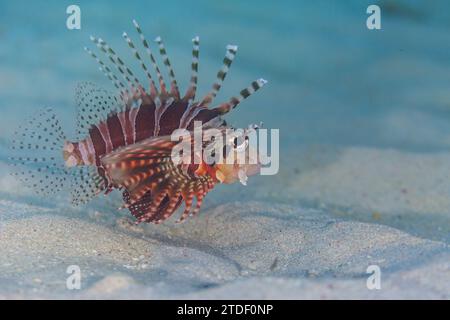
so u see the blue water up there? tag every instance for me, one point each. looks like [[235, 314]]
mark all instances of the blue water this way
[[334, 86], [331, 80]]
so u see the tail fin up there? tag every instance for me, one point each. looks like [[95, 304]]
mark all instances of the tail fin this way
[[37, 148], [37, 160]]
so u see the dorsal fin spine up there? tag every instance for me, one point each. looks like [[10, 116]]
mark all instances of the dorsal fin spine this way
[[152, 58], [153, 90], [173, 82]]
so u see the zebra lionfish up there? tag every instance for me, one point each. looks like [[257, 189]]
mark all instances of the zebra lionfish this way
[[124, 140]]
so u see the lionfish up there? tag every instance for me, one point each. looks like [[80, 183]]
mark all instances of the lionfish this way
[[123, 140]]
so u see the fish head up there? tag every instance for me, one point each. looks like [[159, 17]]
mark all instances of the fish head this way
[[240, 158]]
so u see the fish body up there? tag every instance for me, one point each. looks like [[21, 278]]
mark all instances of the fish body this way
[[124, 139]]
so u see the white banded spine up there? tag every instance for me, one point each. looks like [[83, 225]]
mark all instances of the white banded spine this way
[[244, 94], [107, 71], [152, 58], [166, 61], [116, 61], [221, 74], [138, 57], [190, 94]]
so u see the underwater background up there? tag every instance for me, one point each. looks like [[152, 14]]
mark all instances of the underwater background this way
[[364, 120]]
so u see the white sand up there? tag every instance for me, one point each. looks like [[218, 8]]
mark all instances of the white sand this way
[[406, 190], [344, 209], [238, 250]]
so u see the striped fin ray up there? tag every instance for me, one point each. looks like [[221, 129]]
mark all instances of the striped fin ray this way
[[143, 206], [103, 49], [125, 71], [137, 208], [173, 82], [107, 72], [152, 58], [120, 165], [194, 108], [190, 94], [174, 201], [244, 94], [188, 199], [221, 74], [118, 62], [154, 190], [136, 54], [141, 169], [201, 192], [143, 179], [162, 193], [202, 187]]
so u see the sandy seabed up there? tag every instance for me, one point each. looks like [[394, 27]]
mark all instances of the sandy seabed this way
[[384, 215]]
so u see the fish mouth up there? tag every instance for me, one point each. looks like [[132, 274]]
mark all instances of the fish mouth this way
[[231, 173]]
